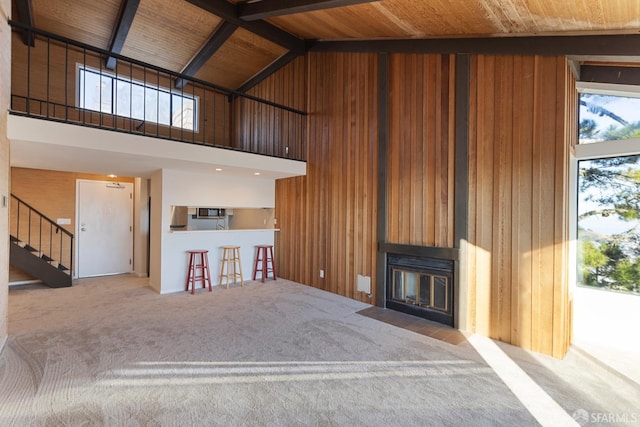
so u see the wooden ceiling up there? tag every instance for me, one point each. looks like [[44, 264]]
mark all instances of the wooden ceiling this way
[[221, 41]]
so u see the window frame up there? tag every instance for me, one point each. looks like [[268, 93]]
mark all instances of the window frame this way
[[593, 151], [82, 69]]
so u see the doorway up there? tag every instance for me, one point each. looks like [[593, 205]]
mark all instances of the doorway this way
[[104, 228]]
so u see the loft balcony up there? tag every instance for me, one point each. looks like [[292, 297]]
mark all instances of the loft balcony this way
[[163, 115]]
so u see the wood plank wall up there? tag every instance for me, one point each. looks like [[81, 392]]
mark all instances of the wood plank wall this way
[[269, 130], [522, 126], [420, 183], [328, 218]]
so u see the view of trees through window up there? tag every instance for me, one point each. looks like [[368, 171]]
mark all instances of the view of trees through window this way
[[103, 92], [609, 197]]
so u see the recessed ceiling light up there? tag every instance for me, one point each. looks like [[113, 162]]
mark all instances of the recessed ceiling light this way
[[218, 169], [112, 175], [256, 173]]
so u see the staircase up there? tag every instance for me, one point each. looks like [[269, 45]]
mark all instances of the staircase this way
[[39, 246]]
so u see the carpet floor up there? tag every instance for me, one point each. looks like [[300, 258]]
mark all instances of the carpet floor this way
[[111, 351]]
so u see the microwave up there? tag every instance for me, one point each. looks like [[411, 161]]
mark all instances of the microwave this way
[[210, 213]]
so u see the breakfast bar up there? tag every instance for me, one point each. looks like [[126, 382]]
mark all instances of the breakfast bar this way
[[180, 241]]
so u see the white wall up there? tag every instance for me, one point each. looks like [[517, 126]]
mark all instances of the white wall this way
[[175, 187], [198, 189], [5, 91], [155, 230], [141, 226]]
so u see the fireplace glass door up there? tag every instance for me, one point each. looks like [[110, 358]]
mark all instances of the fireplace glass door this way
[[421, 288]]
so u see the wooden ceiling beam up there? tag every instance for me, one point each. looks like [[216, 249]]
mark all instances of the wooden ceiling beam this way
[[269, 70], [128, 9], [25, 17], [271, 8], [229, 12], [610, 74], [220, 35], [588, 45]]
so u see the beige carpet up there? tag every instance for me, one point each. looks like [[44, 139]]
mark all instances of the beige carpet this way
[[110, 351]]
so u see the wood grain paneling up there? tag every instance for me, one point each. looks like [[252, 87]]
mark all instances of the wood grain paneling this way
[[328, 218], [239, 59], [159, 36], [421, 150], [411, 18], [268, 130], [86, 21], [522, 126]]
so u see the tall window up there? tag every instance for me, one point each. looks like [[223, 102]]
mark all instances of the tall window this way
[[106, 93], [609, 195]]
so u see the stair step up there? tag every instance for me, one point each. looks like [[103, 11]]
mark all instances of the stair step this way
[[46, 257], [62, 267], [30, 248], [14, 239]]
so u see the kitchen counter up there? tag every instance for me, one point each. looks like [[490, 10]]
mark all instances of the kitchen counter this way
[[177, 242], [186, 230]]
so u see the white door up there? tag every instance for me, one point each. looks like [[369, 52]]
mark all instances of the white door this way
[[105, 228]]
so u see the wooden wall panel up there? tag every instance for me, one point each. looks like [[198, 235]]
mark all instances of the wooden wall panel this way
[[421, 150], [522, 128], [268, 130], [328, 218]]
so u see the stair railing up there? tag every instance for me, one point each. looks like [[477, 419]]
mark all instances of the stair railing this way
[[36, 232]]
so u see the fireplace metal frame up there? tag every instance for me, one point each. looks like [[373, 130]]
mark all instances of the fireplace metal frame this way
[[448, 267]]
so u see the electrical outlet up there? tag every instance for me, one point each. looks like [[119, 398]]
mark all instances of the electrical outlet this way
[[322, 274]]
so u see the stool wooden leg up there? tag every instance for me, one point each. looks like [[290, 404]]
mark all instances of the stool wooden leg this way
[[255, 264], [202, 276], [239, 266], [208, 272], [222, 264], [190, 273], [273, 266]]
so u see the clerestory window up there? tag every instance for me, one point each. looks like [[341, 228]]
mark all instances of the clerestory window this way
[[120, 96]]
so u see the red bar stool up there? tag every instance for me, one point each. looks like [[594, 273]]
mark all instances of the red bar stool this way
[[230, 260], [264, 257], [198, 269]]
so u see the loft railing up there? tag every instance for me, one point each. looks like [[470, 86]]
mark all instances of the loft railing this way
[[32, 230], [63, 80]]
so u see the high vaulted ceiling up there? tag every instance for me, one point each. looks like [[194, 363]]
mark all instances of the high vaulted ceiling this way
[[234, 43]]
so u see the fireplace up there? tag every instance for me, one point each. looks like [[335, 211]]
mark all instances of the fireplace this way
[[420, 286]]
